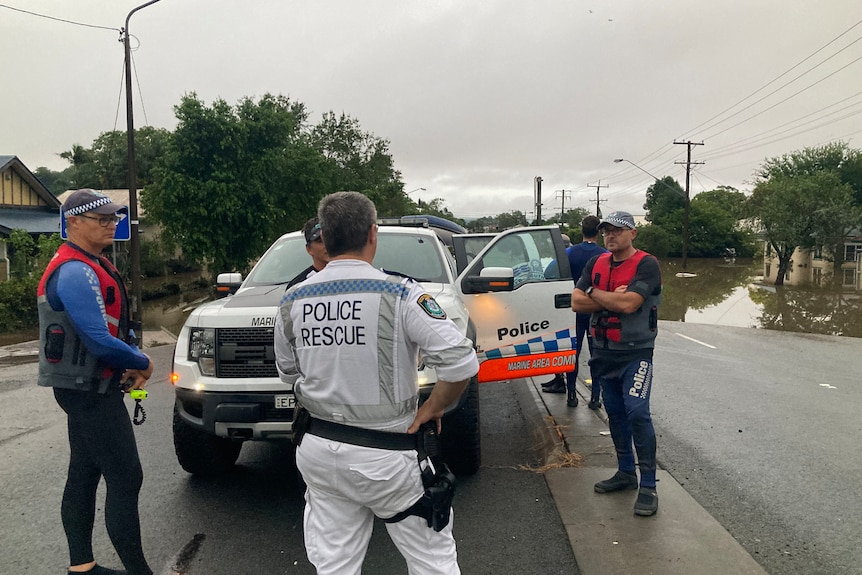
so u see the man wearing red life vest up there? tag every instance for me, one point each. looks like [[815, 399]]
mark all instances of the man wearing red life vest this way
[[86, 350], [622, 291]]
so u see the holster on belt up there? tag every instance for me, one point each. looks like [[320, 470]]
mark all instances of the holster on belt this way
[[435, 505]]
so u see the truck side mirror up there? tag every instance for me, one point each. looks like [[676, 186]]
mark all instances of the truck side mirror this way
[[227, 284], [491, 279]]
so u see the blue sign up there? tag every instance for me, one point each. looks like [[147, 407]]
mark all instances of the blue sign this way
[[123, 233]]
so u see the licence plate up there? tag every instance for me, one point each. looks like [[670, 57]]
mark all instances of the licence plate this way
[[285, 401]]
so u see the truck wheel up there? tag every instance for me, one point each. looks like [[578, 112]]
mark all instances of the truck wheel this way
[[461, 439], [201, 453]]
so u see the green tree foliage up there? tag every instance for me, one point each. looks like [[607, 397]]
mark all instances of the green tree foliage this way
[[18, 304], [56, 182], [18, 295], [663, 200], [362, 163], [714, 226], [233, 178], [497, 223], [104, 165], [806, 199], [48, 244], [212, 193], [571, 222], [656, 240], [22, 254], [82, 172]]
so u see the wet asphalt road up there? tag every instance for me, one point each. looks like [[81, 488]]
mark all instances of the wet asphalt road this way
[[763, 429], [250, 521]]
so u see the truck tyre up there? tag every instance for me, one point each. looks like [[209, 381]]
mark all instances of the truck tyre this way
[[200, 453], [461, 437]]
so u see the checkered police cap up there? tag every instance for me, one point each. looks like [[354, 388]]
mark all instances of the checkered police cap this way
[[82, 201], [619, 220]]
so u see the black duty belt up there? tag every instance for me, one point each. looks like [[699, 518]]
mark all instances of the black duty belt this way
[[363, 437]]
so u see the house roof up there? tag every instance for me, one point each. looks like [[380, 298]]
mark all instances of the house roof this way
[[14, 163], [32, 221]]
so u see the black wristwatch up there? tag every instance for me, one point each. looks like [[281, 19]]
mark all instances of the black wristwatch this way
[[589, 290]]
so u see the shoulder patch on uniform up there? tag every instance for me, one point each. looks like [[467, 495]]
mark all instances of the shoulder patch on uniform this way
[[431, 307]]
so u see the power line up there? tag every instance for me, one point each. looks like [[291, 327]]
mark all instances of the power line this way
[[58, 19], [787, 98], [778, 78], [763, 134]]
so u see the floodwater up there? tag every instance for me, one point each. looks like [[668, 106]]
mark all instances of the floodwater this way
[[720, 293], [170, 312], [724, 293]]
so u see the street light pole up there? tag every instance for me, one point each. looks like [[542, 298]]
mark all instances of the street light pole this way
[[132, 180]]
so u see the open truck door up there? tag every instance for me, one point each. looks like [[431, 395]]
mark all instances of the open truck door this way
[[518, 290]]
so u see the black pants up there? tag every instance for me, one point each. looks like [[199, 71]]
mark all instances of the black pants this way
[[102, 444]]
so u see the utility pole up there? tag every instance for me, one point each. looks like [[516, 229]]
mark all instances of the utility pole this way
[[132, 179], [562, 194], [537, 198], [598, 187], [688, 163]]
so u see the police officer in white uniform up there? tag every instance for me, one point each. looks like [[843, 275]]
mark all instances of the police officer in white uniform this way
[[347, 339]]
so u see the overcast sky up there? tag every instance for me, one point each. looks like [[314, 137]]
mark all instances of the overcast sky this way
[[476, 98]]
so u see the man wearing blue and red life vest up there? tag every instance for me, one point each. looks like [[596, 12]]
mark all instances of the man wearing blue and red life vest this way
[[87, 349], [622, 291]]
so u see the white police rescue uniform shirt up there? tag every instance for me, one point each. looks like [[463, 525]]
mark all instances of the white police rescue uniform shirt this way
[[348, 338]]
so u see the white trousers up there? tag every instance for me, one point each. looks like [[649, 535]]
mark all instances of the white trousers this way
[[347, 486]]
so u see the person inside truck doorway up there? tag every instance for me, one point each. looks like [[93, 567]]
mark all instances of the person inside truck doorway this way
[[315, 248]]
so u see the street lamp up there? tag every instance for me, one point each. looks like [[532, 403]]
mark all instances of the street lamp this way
[[414, 190], [132, 179], [685, 219]]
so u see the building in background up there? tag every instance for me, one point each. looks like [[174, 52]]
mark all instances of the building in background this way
[[25, 204]]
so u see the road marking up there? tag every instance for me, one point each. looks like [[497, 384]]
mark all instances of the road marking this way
[[828, 386], [696, 341]]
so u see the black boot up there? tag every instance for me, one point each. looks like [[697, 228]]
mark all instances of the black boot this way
[[572, 399], [556, 387]]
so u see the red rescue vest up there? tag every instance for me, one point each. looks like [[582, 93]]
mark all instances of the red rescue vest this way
[[612, 330], [63, 360]]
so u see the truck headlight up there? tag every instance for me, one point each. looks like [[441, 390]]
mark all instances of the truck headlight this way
[[202, 349]]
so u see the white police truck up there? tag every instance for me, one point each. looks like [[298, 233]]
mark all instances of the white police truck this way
[[511, 297]]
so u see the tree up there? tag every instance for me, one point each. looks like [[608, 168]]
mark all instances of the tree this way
[[511, 219], [714, 224], [807, 199], [82, 173], [56, 182], [23, 252], [788, 207], [663, 199], [109, 155], [362, 163], [215, 192]]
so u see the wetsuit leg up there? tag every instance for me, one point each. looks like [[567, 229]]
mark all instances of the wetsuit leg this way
[[618, 422], [637, 385], [105, 445], [78, 509]]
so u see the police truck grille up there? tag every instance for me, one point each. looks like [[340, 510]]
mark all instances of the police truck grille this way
[[245, 352]]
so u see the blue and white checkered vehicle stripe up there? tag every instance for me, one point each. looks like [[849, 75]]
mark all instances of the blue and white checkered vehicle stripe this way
[[347, 286], [544, 343]]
